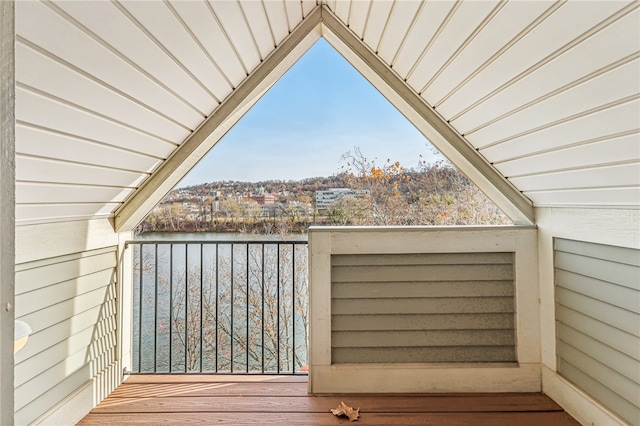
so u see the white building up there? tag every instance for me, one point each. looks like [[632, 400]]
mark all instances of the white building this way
[[327, 197]]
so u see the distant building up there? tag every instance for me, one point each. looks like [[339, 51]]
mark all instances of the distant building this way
[[327, 197], [263, 199]]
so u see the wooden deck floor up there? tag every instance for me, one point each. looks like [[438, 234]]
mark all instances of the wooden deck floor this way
[[264, 400]]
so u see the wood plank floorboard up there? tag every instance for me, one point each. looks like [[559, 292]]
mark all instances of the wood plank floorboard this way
[[269, 400]]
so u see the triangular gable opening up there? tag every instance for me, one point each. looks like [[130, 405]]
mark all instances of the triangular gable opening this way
[[322, 126], [323, 23]]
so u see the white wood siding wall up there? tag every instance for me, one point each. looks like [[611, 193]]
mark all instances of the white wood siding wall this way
[[106, 91], [429, 308], [547, 91], [70, 303], [347, 266], [598, 322]]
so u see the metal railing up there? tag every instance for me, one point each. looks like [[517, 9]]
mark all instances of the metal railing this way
[[220, 306]]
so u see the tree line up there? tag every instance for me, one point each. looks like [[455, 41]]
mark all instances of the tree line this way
[[429, 194]]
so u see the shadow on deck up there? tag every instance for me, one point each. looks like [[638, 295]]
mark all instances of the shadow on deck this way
[[242, 400]]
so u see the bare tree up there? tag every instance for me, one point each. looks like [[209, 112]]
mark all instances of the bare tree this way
[[240, 307]]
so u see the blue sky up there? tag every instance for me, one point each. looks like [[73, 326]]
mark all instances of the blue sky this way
[[320, 109]]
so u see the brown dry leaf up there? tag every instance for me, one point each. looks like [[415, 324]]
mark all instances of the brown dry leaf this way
[[344, 410]]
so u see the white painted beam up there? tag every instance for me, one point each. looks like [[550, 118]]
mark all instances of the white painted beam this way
[[427, 120], [7, 207], [219, 123]]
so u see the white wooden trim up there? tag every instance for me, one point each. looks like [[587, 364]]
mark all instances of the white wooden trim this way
[[326, 378], [618, 227], [77, 405], [421, 378], [7, 207], [427, 120], [218, 124], [42, 241], [575, 402], [125, 302]]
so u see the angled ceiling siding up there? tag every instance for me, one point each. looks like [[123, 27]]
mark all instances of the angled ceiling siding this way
[[548, 92]]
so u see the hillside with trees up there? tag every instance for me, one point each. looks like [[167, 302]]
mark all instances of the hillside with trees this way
[[430, 194]]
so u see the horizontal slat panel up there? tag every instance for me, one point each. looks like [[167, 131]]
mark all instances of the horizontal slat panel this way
[[43, 170], [376, 21], [422, 289], [421, 259], [375, 273], [615, 150], [504, 27], [605, 354], [564, 25], [615, 295], [616, 273], [45, 144], [610, 399], [294, 12], [399, 21], [422, 33], [468, 16], [617, 175], [101, 99], [47, 296], [628, 197], [49, 113], [57, 393], [41, 383], [259, 24], [210, 35], [139, 48], [606, 376], [88, 340], [402, 338], [30, 278], [622, 319], [234, 25], [461, 305], [424, 354], [49, 213], [29, 192], [203, 82], [601, 49], [42, 339], [422, 322], [600, 251], [121, 68], [626, 343], [601, 90], [69, 308], [601, 124], [278, 19]]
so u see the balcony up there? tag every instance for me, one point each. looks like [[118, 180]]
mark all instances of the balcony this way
[[412, 325], [277, 400]]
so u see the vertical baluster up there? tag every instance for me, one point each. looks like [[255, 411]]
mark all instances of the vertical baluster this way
[[201, 307], [186, 305], [278, 306], [262, 310], [231, 330], [170, 307], [246, 342], [293, 306], [140, 247], [217, 310], [155, 308]]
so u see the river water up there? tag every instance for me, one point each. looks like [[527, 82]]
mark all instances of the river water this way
[[219, 302]]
